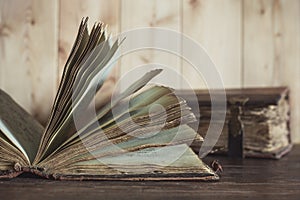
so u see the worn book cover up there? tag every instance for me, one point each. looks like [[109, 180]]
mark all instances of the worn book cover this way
[[264, 118]]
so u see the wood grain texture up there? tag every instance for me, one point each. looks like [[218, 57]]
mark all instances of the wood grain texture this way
[[241, 179], [216, 25], [253, 43], [258, 43], [143, 14], [28, 53], [272, 49]]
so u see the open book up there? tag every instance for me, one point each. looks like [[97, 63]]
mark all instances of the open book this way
[[122, 140]]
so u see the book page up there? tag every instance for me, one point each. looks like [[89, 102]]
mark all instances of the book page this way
[[10, 154], [177, 162], [19, 126], [12, 138]]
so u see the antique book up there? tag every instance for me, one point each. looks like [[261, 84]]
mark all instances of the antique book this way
[[118, 142], [264, 120]]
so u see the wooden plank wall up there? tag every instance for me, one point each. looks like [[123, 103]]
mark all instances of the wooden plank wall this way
[[252, 43], [216, 25], [156, 13], [28, 53]]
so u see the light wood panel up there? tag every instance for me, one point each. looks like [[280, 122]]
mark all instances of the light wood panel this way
[[216, 25], [28, 53], [144, 13], [258, 43], [272, 49], [253, 43], [70, 14]]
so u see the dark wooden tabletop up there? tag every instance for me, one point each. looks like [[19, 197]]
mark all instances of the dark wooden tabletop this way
[[249, 178]]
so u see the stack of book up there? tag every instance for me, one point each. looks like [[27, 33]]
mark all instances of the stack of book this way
[[264, 120]]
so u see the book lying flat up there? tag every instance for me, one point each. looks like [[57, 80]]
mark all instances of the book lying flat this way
[[118, 142], [264, 118]]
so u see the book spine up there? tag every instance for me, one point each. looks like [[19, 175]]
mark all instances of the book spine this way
[[37, 171], [9, 174], [16, 171]]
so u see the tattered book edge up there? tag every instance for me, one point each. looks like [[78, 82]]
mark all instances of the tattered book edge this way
[[119, 177]]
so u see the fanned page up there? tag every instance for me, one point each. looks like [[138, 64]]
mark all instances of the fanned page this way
[[122, 140]]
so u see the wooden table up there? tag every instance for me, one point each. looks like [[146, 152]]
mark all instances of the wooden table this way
[[249, 178]]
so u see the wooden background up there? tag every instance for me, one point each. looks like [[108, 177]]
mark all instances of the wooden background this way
[[252, 42]]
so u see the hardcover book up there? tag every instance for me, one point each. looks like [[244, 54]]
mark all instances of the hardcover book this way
[[264, 119], [118, 142]]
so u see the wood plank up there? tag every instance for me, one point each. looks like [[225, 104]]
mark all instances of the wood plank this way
[[143, 13], [258, 43], [216, 25], [272, 49], [28, 57], [71, 13]]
